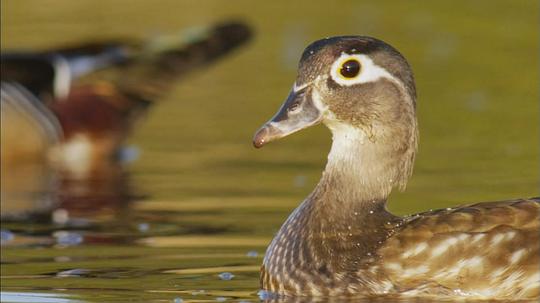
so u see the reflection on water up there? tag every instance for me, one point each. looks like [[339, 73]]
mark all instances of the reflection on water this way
[[190, 220], [269, 298], [202, 296], [28, 189], [14, 297]]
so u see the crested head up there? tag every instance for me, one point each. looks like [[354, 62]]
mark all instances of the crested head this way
[[363, 90]]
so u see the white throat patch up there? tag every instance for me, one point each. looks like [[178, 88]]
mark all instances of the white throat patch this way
[[356, 157]]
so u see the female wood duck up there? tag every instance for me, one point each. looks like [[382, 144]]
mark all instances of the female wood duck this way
[[341, 240]]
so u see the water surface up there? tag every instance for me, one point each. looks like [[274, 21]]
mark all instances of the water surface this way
[[190, 219]]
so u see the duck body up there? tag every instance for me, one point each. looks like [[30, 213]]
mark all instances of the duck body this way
[[341, 240], [444, 253]]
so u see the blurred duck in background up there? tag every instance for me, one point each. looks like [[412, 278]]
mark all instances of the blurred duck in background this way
[[70, 110]]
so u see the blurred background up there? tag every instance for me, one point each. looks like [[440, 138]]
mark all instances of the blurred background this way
[[188, 215]]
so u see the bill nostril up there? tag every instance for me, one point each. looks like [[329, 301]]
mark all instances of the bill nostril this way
[[293, 107]]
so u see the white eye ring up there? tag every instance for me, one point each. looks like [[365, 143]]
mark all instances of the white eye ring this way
[[369, 71]]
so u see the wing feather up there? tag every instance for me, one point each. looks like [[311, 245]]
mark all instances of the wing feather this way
[[483, 250]]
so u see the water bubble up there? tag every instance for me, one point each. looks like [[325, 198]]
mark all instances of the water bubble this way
[[76, 272], [266, 295], [143, 227], [178, 300], [68, 238], [370, 211], [252, 254], [221, 299], [6, 236], [226, 276], [198, 292]]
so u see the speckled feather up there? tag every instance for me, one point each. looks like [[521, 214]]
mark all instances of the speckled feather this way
[[486, 250]]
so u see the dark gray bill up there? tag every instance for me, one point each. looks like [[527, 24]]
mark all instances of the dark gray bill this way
[[298, 112]]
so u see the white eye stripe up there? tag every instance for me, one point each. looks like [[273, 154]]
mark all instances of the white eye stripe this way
[[369, 71]]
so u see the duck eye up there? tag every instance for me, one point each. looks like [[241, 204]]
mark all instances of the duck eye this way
[[350, 68]]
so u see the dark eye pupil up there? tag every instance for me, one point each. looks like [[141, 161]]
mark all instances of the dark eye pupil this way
[[350, 69]]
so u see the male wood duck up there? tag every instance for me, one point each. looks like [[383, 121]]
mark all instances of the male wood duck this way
[[92, 117], [341, 240]]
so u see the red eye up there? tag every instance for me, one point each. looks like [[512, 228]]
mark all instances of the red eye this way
[[350, 69]]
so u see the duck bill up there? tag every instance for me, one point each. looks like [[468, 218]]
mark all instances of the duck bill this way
[[298, 112]]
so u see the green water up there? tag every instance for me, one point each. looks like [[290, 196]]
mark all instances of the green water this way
[[205, 202]]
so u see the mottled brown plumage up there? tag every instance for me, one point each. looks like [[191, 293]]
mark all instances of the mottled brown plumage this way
[[341, 240]]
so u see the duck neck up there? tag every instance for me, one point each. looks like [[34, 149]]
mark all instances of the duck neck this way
[[359, 169], [342, 223], [347, 209]]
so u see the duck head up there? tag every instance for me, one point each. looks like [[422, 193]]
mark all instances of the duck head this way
[[363, 90]]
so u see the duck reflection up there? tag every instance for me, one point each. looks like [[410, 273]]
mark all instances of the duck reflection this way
[[66, 115]]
